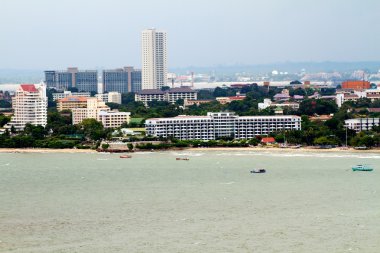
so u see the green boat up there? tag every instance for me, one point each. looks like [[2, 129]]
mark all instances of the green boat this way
[[362, 168]]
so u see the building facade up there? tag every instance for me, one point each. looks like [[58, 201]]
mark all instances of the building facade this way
[[171, 95], [66, 94], [356, 85], [122, 80], [110, 97], [114, 119], [217, 125], [86, 80], [362, 124], [91, 111], [30, 106], [69, 103], [154, 59]]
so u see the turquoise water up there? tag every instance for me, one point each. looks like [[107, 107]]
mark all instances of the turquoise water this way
[[306, 202]]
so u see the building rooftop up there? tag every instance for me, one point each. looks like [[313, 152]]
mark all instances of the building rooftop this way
[[28, 87], [73, 99]]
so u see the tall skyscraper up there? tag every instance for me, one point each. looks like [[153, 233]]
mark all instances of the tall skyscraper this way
[[86, 80], [30, 106], [122, 80], [154, 59]]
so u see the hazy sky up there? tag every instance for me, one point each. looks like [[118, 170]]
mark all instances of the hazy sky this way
[[49, 34]]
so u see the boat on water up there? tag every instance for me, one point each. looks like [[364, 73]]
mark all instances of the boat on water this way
[[258, 171], [183, 159], [362, 168], [125, 156]]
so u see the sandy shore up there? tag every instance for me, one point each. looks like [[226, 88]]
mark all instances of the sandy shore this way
[[303, 149], [44, 150]]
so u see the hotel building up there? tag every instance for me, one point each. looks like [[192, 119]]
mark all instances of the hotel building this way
[[69, 103], [171, 95], [362, 124], [91, 111], [154, 59], [221, 124], [30, 106], [66, 94], [114, 119], [122, 80], [85, 80]]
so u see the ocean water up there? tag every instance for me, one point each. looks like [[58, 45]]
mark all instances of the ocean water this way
[[90, 203]]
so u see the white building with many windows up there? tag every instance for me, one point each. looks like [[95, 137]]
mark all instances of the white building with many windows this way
[[171, 95], [362, 124], [29, 105], [221, 124], [154, 59]]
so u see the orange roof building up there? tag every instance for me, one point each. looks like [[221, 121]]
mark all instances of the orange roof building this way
[[71, 102], [356, 85], [268, 140]]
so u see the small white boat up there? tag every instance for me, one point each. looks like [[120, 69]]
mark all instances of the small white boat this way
[[258, 171]]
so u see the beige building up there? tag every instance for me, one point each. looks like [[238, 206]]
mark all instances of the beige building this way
[[110, 97], [69, 103], [114, 119], [154, 59], [92, 110]]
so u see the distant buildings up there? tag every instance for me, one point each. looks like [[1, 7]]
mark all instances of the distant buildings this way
[[171, 95], [190, 102], [227, 100], [268, 103], [85, 80], [30, 106], [154, 59], [356, 85], [217, 125], [362, 124], [122, 80]]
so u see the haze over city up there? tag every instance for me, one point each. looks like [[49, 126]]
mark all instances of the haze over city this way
[[43, 34]]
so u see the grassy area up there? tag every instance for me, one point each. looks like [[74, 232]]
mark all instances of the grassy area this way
[[136, 120]]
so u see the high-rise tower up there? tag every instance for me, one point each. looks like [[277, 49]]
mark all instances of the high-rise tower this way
[[154, 59]]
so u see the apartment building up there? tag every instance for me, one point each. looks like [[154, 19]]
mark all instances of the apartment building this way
[[83, 80], [72, 102], [65, 94], [171, 95], [221, 124], [29, 105], [122, 80], [110, 97], [362, 124], [114, 119], [91, 111], [154, 59]]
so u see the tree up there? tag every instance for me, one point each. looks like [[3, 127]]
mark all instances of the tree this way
[[92, 129]]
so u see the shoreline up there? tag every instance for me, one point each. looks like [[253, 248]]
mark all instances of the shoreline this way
[[258, 149]]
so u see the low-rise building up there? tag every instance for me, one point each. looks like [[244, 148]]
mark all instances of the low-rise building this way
[[227, 100], [92, 110], [362, 124], [65, 94], [171, 95], [114, 119], [190, 102], [217, 125], [356, 85], [110, 97], [268, 103], [69, 103]]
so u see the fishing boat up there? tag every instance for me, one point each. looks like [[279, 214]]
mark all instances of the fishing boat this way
[[362, 168], [183, 159], [258, 171], [125, 156]]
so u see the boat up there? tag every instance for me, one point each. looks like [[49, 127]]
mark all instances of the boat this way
[[362, 168], [183, 159], [125, 156], [361, 148], [258, 171]]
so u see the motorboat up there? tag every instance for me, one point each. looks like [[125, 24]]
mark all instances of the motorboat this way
[[125, 156], [362, 168], [183, 159], [258, 171]]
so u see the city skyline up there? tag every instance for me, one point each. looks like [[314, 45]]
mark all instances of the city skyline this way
[[200, 34]]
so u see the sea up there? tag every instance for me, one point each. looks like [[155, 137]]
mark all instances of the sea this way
[[90, 203]]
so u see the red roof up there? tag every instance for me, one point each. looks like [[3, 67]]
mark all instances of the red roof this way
[[268, 140], [29, 87]]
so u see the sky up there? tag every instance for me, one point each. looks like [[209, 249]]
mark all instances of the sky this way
[[89, 34]]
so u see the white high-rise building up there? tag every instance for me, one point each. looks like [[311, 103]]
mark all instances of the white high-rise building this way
[[30, 106], [154, 59]]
